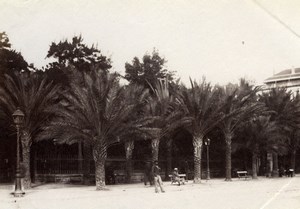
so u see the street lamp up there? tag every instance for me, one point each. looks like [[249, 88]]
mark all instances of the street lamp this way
[[207, 143], [18, 117]]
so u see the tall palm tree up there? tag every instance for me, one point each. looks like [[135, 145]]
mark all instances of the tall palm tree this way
[[160, 107], [201, 112], [97, 113], [294, 144], [294, 139], [240, 103], [285, 106], [35, 97], [257, 132], [137, 95], [286, 113], [275, 146]]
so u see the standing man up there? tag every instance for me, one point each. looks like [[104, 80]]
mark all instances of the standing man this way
[[157, 178]]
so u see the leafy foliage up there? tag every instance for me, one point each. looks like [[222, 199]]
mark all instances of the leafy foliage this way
[[33, 95], [285, 108], [10, 60], [201, 108], [4, 41], [78, 54], [240, 105], [96, 111], [147, 71], [260, 132]]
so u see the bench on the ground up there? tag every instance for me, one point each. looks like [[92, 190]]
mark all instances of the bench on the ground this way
[[242, 174], [289, 172], [182, 178], [68, 178], [119, 176]]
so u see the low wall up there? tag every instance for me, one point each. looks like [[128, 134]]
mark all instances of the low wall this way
[[119, 178], [59, 178]]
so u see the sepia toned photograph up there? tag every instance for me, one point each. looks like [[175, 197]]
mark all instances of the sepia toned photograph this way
[[149, 104]]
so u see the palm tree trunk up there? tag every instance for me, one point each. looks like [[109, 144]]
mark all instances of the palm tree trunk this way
[[228, 138], [269, 164], [275, 168], [100, 154], [100, 174], [197, 144], [293, 159], [129, 146], [169, 158], [263, 168], [254, 164], [25, 139], [86, 163], [155, 149]]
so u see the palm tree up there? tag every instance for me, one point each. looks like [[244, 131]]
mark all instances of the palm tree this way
[[285, 107], [201, 112], [35, 97], [134, 94], [294, 139], [97, 113], [257, 132], [294, 144], [161, 108], [239, 104], [275, 146], [286, 113]]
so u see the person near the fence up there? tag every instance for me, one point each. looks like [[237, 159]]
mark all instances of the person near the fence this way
[[175, 176], [157, 178]]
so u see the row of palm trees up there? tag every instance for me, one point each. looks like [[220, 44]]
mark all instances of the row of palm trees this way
[[94, 109]]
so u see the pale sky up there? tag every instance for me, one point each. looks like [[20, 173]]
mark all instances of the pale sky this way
[[222, 40]]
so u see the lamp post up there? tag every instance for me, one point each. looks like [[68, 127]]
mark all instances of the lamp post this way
[[207, 143], [18, 117]]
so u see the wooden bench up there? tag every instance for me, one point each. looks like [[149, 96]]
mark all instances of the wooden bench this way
[[68, 178], [289, 172], [119, 176], [242, 174], [182, 178]]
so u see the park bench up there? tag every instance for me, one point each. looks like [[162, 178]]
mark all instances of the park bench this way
[[289, 172], [119, 176], [242, 174], [68, 178], [181, 176]]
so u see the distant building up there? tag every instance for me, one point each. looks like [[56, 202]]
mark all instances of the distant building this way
[[289, 78]]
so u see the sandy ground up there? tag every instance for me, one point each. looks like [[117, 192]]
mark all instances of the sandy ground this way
[[277, 193]]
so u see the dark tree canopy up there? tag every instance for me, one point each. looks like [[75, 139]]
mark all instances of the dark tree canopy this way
[[4, 41], [78, 54], [147, 71], [284, 105], [10, 60]]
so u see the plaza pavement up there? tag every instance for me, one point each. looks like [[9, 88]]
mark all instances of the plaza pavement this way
[[264, 193]]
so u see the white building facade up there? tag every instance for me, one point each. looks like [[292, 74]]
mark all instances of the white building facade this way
[[289, 79]]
